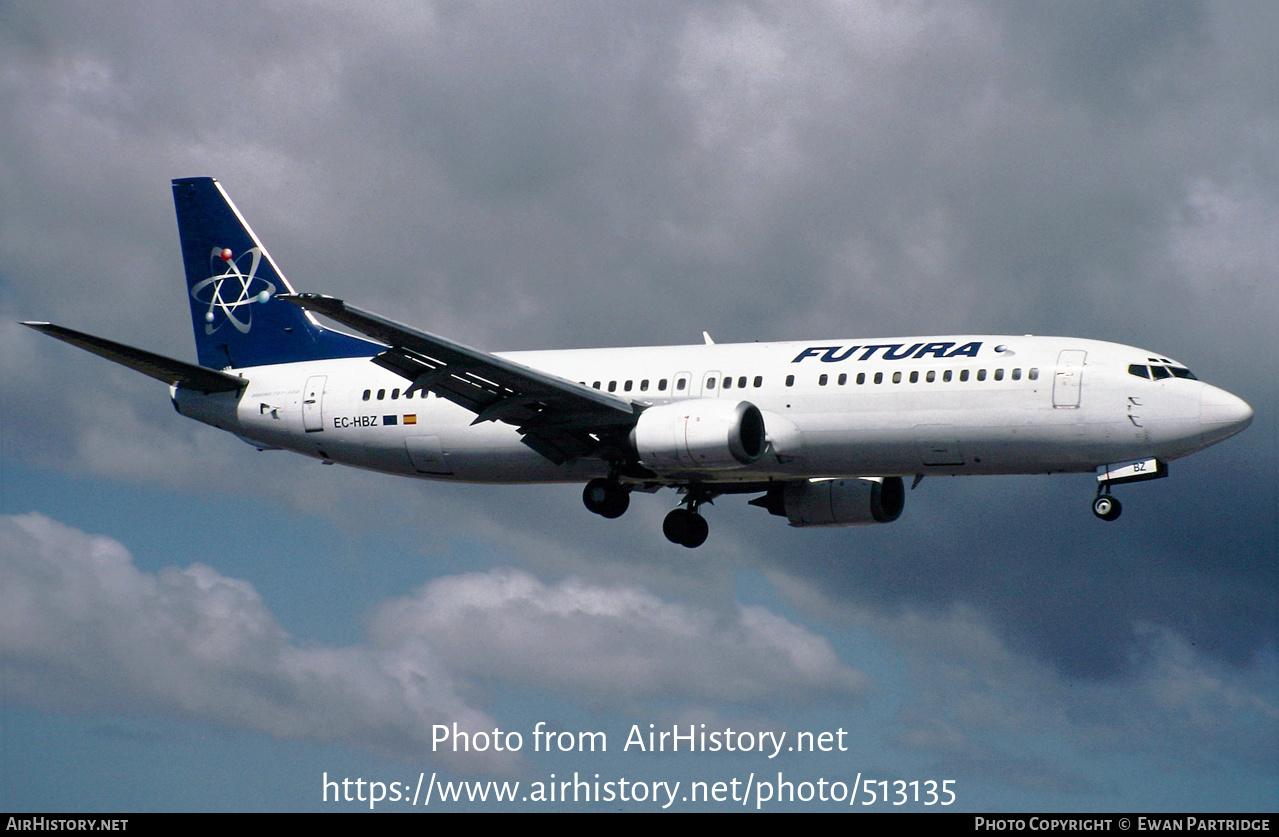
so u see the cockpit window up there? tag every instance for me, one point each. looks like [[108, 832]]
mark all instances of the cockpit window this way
[[1159, 372]]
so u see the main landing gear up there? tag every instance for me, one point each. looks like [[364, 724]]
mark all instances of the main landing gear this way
[[685, 525], [686, 528], [607, 498]]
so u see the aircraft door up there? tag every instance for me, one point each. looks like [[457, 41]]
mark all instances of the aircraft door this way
[[313, 403], [1069, 379]]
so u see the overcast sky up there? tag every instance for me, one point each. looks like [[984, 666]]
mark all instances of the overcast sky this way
[[188, 623]]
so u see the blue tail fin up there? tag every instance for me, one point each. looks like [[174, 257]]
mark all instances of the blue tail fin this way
[[232, 282]]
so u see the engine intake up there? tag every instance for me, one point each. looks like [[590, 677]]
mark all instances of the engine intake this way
[[701, 434]]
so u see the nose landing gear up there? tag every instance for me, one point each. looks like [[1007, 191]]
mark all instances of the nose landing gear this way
[[1106, 507]]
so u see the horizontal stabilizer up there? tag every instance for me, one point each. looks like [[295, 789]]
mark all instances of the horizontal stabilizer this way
[[172, 372]]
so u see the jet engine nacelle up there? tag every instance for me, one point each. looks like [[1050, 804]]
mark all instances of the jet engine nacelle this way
[[701, 434], [844, 502]]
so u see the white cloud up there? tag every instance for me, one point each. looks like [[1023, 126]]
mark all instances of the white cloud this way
[[614, 644], [84, 630]]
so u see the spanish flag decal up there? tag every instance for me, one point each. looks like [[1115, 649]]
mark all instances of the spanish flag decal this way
[[410, 418]]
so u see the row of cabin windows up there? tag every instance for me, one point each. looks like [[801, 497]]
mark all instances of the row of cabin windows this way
[[741, 382], [395, 393], [681, 383], [627, 386], [930, 376]]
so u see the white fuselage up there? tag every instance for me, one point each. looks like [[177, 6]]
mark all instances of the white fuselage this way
[[899, 406]]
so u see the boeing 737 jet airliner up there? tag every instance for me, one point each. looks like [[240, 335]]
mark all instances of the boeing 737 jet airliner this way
[[822, 431]]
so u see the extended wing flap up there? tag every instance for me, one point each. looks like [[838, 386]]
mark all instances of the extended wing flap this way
[[172, 372], [558, 418]]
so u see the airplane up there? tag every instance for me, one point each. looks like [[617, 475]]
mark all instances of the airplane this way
[[823, 432]]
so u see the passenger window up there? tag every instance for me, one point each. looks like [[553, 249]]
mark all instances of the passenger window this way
[[843, 379], [661, 385], [710, 383], [728, 383], [644, 385], [999, 374], [963, 375], [914, 377], [897, 377], [821, 380], [395, 394], [381, 394], [679, 385], [596, 384], [945, 376], [1034, 373], [879, 377], [932, 375], [861, 377], [367, 393], [612, 386], [1017, 374], [626, 387], [981, 374], [790, 380], [759, 381]]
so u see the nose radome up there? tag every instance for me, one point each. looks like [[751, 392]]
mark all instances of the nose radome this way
[[1221, 414]]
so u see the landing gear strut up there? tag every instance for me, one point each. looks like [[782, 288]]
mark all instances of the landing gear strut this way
[[607, 498], [685, 525], [1107, 507]]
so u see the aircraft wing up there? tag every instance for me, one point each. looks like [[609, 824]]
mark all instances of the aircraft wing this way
[[558, 418], [172, 372]]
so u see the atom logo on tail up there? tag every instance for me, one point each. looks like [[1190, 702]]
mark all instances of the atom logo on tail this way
[[232, 289]]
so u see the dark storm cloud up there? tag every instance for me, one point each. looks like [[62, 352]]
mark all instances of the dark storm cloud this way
[[1058, 584]]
